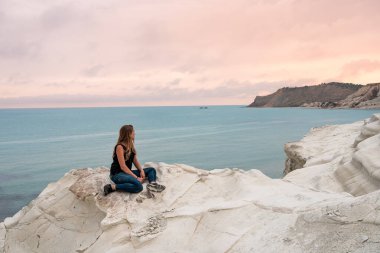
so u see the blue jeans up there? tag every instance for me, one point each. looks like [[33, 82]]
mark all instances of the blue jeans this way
[[128, 183]]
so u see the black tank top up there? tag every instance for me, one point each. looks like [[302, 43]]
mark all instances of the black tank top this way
[[115, 166]]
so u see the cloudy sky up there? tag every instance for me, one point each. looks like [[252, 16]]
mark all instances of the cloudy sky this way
[[58, 53]]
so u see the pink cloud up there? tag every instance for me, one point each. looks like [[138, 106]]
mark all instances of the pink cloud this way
[[139, 47], [358, 67]]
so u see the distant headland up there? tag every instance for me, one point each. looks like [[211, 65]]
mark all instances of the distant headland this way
[[325, 95]]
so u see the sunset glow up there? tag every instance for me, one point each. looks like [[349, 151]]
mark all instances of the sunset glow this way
[[148, 53]]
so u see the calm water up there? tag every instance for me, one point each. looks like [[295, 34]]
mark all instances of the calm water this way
[[38, 146]]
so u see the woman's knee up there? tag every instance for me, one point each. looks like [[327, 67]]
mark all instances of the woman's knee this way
[[138, 188], [150, 170]]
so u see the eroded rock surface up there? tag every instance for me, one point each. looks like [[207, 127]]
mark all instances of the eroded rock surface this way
[[313, 209], [342, 158]]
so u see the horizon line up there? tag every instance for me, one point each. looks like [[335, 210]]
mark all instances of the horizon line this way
[[122, 106]]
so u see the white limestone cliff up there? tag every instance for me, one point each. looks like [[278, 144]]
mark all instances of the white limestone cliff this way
[[342, 158], [330, 205]]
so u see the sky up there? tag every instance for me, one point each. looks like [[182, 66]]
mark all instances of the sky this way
[[59, 53]]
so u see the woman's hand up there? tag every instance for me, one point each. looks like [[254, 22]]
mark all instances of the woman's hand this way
[[142, 174], [140, 179]]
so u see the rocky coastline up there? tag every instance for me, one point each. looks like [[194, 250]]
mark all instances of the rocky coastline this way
[[328, 201], [324, 96]]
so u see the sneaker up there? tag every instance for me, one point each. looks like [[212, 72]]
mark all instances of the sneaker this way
[[154, 187], [107, 189]]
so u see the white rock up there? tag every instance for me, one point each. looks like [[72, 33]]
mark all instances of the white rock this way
[[2, 236], [226, 210], [343, 158]]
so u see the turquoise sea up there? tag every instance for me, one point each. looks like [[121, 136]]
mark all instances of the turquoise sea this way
[[38, 146]]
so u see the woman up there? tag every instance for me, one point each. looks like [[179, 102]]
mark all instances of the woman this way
[[121, 173]]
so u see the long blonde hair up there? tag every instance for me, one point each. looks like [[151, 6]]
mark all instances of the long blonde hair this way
[[125, 139]]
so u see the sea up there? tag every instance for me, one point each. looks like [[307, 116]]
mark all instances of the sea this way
[[38, 146]]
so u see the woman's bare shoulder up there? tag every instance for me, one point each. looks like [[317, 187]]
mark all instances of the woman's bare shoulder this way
[[120, 146]]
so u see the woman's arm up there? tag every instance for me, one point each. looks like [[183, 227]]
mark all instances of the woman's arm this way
[[121, 160], [139, 167], [137, 163]]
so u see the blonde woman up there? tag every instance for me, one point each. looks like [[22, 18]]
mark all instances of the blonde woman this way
[[121, 173]]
